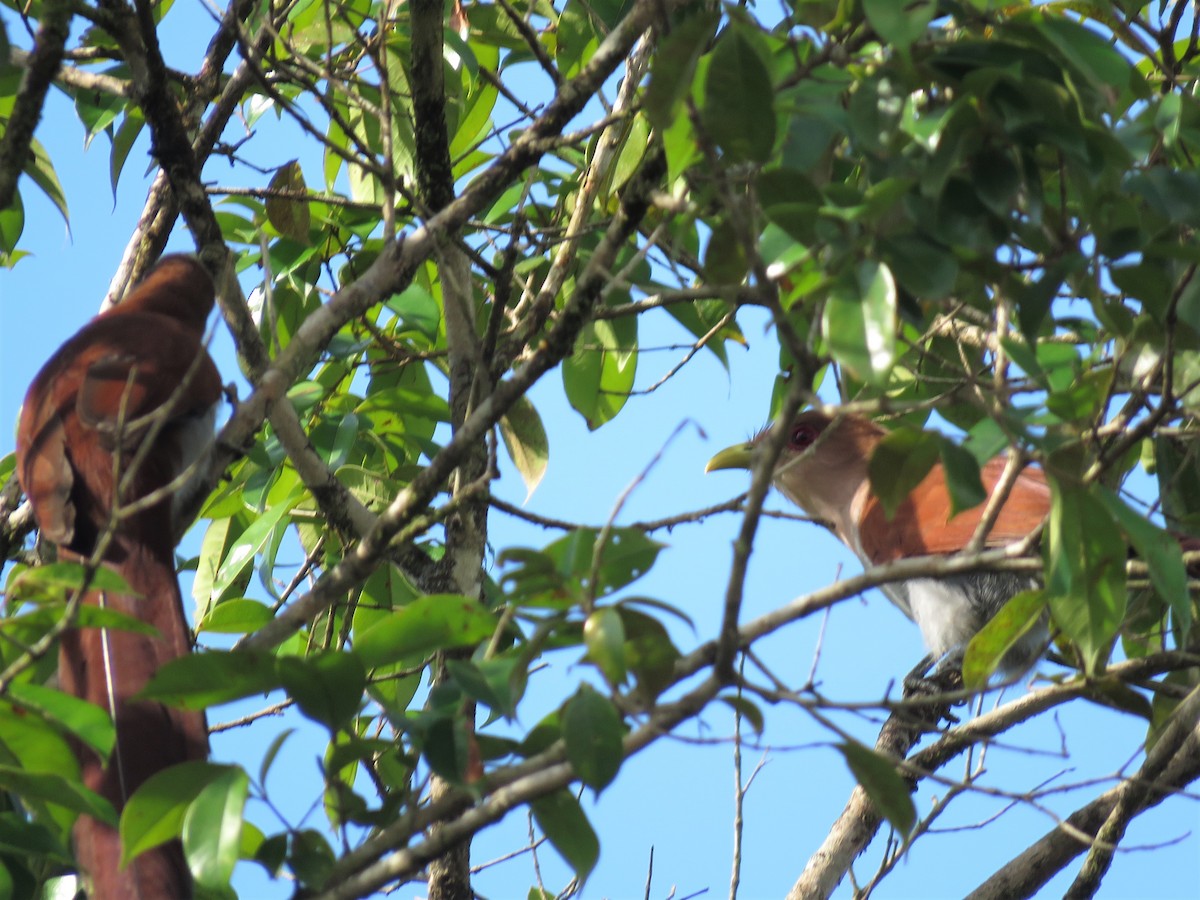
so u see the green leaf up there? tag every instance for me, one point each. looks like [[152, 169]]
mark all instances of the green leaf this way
[[724, 256], [311, 858], [562, 820], [1095, 57], [41, 170], [32, 743], [8, 887], [327, 686], [56, 580], [626, 556], [418, 311], [447, 748], [738, 110], [97, 110], [923, 267], [747, 711], [604, 637], [996, 179], [273, 749], [50, 788], [424, 626], [22, 837], [290, 217], [155, 813], [12, 224], [577, 38], [525, 439], [236, 616], [83, 720], [962, 476], [987, 648], [650, 651], [1086, 571], [201, 680], [599, 375], [635, 140], [674, 66], [890, 793], [899, 23], [489, 681], [701, 318], [88, 617], [899, 463], [1162, 554], [1177, 466], [122, 143], [680, 147], [860, 323], [592, 733], [252, 540], [208, 563], [212, 828]]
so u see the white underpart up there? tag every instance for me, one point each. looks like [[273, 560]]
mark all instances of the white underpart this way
[[194, 434], [942, 612]]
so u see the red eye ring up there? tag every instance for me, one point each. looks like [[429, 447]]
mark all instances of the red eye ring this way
[[802, 436]]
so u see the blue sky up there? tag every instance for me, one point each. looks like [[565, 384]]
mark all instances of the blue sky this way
[[675, 798]]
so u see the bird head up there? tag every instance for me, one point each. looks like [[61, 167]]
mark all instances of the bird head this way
[[823, 465]]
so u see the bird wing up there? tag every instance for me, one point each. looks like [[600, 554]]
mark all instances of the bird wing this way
[[923, 525], [113, 374], [45, 472], [135, 371]]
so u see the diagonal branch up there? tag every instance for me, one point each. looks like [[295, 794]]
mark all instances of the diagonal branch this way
[[41, 67]]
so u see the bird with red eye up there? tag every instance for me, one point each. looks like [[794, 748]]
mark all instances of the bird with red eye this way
[[803, 435], [106, 442], [823, 469]]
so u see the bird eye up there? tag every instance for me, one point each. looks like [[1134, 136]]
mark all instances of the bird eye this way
[[802, 436]]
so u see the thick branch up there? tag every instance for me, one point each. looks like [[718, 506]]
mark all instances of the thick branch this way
[[1028, 872], [1136, 794], [42, 65], [558, 343]]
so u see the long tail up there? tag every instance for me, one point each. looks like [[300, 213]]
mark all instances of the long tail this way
[[108, 667]]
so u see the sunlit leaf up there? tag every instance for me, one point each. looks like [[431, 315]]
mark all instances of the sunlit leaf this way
[[155, 812], [427, 624], [83, 720], [525, 439], [290, 216], [212, 828], [860, 323], [1003, 631]]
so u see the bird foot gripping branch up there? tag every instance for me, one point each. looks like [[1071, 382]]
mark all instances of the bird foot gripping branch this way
[[107, 435], [823, 469]]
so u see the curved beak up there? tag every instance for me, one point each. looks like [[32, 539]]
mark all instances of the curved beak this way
[[739, 456]]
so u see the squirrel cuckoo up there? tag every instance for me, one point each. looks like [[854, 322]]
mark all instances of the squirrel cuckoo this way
[[138, 372], [823, 470]]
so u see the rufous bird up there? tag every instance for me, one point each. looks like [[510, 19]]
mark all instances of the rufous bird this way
[[137, 372], [823, 470]]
